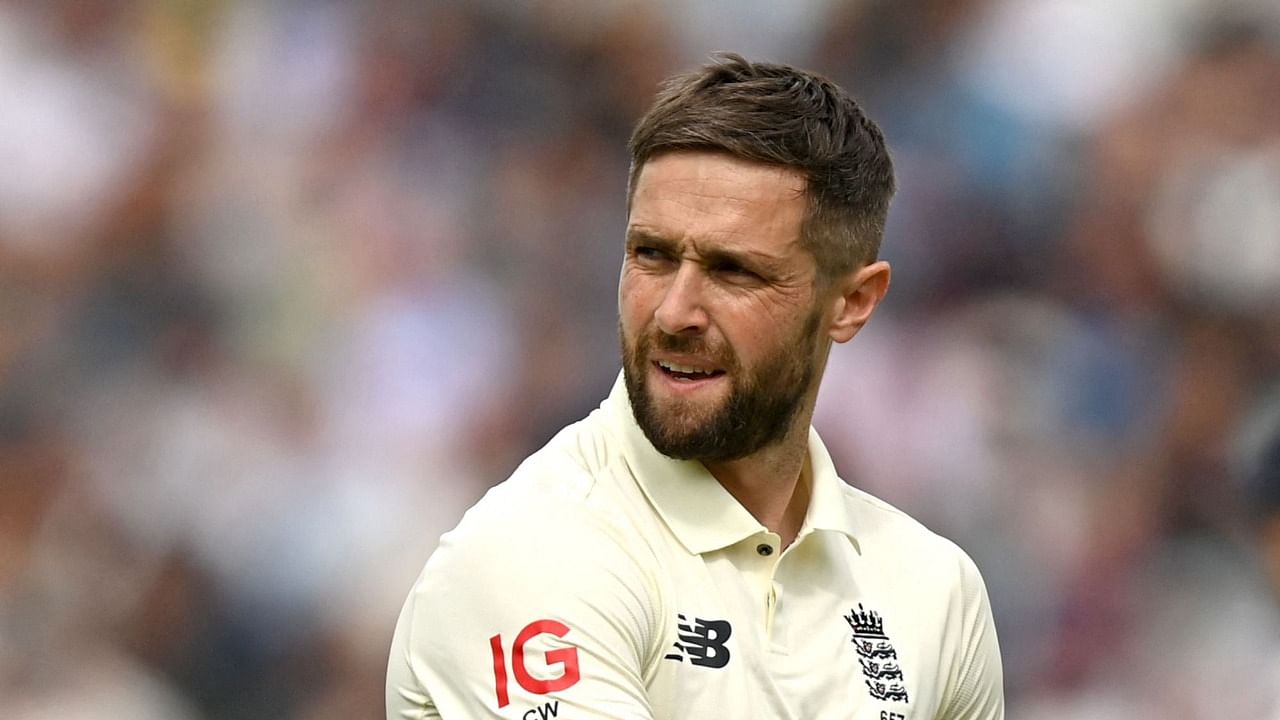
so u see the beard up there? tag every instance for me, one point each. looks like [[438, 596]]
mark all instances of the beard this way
[[762, 405]]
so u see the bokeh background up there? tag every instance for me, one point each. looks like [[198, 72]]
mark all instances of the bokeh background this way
[[285, 285]]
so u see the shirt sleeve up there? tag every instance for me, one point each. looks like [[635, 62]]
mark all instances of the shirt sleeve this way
[[977, 688], [527, 611]]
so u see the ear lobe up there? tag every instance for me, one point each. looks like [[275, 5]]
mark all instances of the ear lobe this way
[[860, 292]]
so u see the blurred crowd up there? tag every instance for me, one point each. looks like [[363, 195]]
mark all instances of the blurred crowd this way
[[287, 284]]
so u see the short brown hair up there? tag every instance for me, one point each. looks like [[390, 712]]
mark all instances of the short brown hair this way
[[779, 115]]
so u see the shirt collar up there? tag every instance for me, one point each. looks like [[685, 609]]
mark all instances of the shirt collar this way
[[693, 504], [828, 509]]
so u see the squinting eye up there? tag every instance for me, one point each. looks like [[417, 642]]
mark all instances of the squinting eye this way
[[736, 271], [648, 254]]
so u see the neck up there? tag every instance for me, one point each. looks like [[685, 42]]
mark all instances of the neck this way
[[773, 483]]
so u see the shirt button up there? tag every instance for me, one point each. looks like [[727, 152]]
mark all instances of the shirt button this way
[[764, 549]]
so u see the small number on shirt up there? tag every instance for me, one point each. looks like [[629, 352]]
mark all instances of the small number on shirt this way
[[886, 715]]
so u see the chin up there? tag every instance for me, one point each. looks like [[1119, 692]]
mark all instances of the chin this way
[[683, 413]]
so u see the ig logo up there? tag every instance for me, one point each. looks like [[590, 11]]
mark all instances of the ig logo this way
[[565, 657]]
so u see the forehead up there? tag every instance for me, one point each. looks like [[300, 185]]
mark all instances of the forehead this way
[[718, 198]]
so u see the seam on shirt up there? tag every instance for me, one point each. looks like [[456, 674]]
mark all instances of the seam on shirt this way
[[966, 688], [426, 703]]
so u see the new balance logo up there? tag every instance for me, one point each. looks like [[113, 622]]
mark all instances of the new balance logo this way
[[702, 642]]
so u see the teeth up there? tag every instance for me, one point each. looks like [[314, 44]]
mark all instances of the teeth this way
[[673, 367]]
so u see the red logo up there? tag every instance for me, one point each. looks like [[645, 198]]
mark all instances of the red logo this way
[[566, 657]]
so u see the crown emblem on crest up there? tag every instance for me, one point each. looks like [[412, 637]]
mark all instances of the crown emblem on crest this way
[[865, 623]]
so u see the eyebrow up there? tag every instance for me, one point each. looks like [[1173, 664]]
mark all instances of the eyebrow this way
[[637, 237], [711, 255]]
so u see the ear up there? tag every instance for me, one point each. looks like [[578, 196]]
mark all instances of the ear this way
[[858, 294]]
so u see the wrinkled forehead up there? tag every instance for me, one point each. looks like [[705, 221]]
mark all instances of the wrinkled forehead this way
[[712, 164], [710, 195]]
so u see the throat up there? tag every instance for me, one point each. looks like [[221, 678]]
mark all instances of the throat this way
[[775, 490]]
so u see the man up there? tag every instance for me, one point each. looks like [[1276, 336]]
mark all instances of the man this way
[[687, 550]]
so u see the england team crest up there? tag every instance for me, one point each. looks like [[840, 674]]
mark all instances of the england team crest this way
[[877, 656]]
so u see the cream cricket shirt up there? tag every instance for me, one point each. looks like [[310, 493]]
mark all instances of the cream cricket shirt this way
[[605, 580]]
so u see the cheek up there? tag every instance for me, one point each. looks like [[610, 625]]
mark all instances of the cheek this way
[[764, 330], [628, 304], [759, 321], [635, 299]]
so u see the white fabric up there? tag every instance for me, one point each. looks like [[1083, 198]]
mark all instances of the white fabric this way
[[652, 590]]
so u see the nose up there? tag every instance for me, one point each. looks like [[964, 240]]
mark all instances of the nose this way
[[681, 310]]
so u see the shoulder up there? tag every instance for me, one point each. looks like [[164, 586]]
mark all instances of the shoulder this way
[[548, 565], [562, 491], [889, 534], [878, 519], [562, 527], [569, 468]]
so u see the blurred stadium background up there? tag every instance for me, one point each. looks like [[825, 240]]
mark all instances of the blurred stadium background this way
[[287, 284]]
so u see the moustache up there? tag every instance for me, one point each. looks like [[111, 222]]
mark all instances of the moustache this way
[[687, 345]]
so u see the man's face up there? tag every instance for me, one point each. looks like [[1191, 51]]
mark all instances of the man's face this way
[[720, 324]]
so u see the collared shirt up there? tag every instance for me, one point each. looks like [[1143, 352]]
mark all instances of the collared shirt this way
[[606, 580]]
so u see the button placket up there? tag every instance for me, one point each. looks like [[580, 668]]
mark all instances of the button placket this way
[[767, 551]]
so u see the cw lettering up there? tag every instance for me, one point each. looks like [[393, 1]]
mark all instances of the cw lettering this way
[[566, 658], [542, 712]]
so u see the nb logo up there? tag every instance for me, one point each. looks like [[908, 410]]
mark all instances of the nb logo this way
[[702, 642]]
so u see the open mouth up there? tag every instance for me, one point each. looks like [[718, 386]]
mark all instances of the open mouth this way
[[687, 373]]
